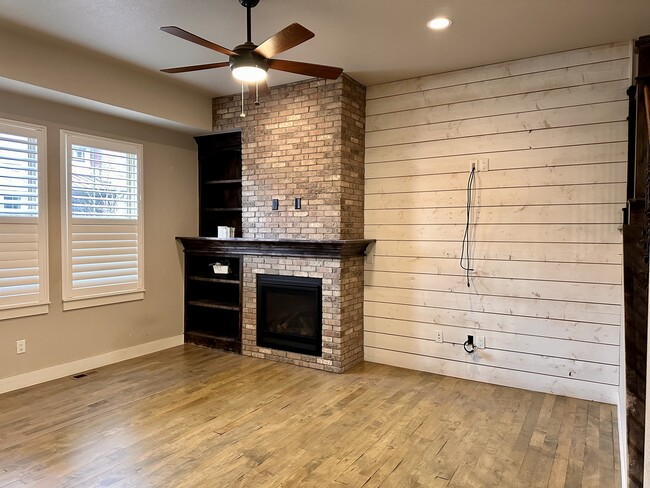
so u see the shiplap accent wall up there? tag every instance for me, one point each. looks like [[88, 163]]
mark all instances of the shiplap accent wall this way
[[547, 251]]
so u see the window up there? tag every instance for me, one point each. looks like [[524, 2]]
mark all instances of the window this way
[[23, 220], [102, 224]]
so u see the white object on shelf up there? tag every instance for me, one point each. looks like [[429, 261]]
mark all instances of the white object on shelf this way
[[225, 232], [219, 268]]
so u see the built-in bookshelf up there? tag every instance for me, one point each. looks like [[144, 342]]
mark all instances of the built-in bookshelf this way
[[213, 287], [213, 300], [220, 183]]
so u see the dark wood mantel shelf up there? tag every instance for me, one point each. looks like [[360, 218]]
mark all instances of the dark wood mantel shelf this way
[[277, 247]]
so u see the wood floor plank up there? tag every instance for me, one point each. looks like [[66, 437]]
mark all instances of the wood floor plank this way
[[195, 417], [608, 439], [494, 460]]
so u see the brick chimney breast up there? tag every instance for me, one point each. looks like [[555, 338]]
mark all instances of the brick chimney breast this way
[[305, 140]]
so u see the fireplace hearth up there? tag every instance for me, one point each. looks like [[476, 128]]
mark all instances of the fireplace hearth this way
[[289, 313]]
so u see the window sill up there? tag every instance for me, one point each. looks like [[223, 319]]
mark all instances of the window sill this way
[[77, 303], [24, 311]]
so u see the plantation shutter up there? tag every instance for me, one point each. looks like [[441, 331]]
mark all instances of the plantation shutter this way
[[103, 252], [23, 220]]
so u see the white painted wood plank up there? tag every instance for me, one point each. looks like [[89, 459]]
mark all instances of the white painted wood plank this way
[[566, 252], [504, 287], [565, 136], [546, 286], [569, 272], [512, 104], [513, 178], [607, 213], [535, 64], [547, 80], [589, 312], [507, 377], [502, 124], [527, 158], [532, 363], [553, 347], [606, 233], [516, 197], [382, 315]]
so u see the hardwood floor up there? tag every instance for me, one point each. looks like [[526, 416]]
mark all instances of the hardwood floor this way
[[194, 417]]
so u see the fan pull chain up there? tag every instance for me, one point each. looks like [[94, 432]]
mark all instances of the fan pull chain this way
[[257, 93], [242, 114]]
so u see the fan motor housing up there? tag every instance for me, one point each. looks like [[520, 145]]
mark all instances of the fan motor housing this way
[[246, 57]]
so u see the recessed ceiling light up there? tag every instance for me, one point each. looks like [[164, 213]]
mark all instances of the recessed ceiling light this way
[[439, 23]]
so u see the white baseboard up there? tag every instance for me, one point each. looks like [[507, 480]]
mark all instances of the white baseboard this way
[[47, 374]]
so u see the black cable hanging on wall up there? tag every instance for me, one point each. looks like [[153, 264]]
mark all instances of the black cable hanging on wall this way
[[465, 248]]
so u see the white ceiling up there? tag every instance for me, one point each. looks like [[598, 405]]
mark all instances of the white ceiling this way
[[374, 41]]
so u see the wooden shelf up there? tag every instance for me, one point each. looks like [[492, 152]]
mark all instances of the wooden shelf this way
[[232, 281], [206, 333], [222, 182], [206, 303], [208, 339]]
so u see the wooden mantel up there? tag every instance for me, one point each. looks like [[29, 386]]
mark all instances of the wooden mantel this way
[[336, 249]]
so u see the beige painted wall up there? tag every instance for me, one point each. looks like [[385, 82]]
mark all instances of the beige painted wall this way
[[60, 69], [170, 209]]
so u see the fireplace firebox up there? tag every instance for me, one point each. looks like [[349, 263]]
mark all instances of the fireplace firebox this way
[[289, 313]]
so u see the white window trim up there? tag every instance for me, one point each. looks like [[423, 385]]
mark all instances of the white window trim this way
[[70, 300], [39, 306]]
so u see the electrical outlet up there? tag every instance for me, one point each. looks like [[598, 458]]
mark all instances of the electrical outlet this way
[[479, 342], [21, 346], [479, 164], [438, 336]]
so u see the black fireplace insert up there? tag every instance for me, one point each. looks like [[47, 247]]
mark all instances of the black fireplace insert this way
[[289, 313]]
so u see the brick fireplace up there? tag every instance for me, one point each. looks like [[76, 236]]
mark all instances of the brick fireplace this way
[[305, 140]]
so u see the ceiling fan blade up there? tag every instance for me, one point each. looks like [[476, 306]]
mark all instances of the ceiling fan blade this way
[[262, 90], [307, 69], [287, 38], [196, 67], [188, 36]]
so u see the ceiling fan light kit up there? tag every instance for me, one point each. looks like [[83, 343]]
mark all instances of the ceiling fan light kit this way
[[249, 74], [248, 66], [249, 62]]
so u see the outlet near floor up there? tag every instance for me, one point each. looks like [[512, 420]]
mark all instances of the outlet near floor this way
[[21, 346]]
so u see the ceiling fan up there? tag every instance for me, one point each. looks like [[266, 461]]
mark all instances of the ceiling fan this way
[[250, 62]]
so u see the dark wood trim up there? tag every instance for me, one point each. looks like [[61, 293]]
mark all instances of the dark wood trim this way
[[636, 320], [276, 247], [635, 272], [642, 46]]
